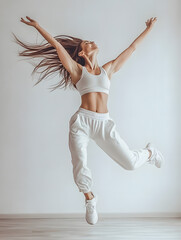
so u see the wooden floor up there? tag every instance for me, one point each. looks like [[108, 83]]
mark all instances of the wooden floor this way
[[78, 229]]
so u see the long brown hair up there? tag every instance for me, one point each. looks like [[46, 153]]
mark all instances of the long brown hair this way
[[51, 59]]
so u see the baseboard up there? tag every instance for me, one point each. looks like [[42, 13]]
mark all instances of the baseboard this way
[[80, 215]]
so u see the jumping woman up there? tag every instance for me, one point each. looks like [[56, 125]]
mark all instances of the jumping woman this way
[[77, 60]]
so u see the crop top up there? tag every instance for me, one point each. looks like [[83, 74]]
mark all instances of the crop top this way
[[93, 83]]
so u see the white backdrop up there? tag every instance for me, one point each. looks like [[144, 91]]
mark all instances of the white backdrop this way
[[35, 162]]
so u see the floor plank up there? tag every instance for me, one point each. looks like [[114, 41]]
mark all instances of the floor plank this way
[[78, 229]]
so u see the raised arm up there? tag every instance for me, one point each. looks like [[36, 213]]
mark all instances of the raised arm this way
[[115, 64], [65, 58]]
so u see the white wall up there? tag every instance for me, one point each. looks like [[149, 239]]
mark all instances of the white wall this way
[[36, 171]]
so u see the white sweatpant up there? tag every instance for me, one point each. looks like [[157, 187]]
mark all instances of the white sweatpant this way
[[86, 124]]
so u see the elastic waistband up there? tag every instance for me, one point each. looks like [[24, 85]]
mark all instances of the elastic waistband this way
[[93, 114]]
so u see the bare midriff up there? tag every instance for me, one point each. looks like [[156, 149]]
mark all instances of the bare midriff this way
[[95, 101]]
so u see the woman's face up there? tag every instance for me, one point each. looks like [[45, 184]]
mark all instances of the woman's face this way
[[88, 46]]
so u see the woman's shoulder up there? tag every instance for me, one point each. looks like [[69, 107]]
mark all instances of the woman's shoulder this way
[[77, 74], [80, 66]]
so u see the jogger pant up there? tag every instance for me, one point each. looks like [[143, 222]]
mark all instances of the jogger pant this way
[[85, 125]]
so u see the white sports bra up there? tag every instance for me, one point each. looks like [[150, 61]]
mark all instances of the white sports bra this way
[[93, 83]]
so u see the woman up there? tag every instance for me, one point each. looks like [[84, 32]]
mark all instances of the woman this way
[[77, 59]]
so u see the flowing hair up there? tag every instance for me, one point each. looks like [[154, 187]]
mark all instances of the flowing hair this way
[[50, 58]]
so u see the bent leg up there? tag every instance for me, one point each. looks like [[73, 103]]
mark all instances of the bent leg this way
[[112, 144]]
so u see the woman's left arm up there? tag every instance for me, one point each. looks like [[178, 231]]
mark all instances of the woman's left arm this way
[[149, 25], [114, 65]]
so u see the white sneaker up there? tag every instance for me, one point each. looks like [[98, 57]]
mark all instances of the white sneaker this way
[[91, 213], [156, 157]]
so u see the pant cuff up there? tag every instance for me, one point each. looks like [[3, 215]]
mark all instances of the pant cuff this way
[[85, 191]]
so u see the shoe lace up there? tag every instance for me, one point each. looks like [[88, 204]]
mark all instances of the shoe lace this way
[[154, 158], [90, 207], [151, 161]]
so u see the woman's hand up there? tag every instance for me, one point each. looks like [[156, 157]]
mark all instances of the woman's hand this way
[[31, 22], [150, 22]]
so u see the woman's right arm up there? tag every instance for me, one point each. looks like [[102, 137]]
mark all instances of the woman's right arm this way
[[47, 36], [70, 65], [42, 31], [65, 58]]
